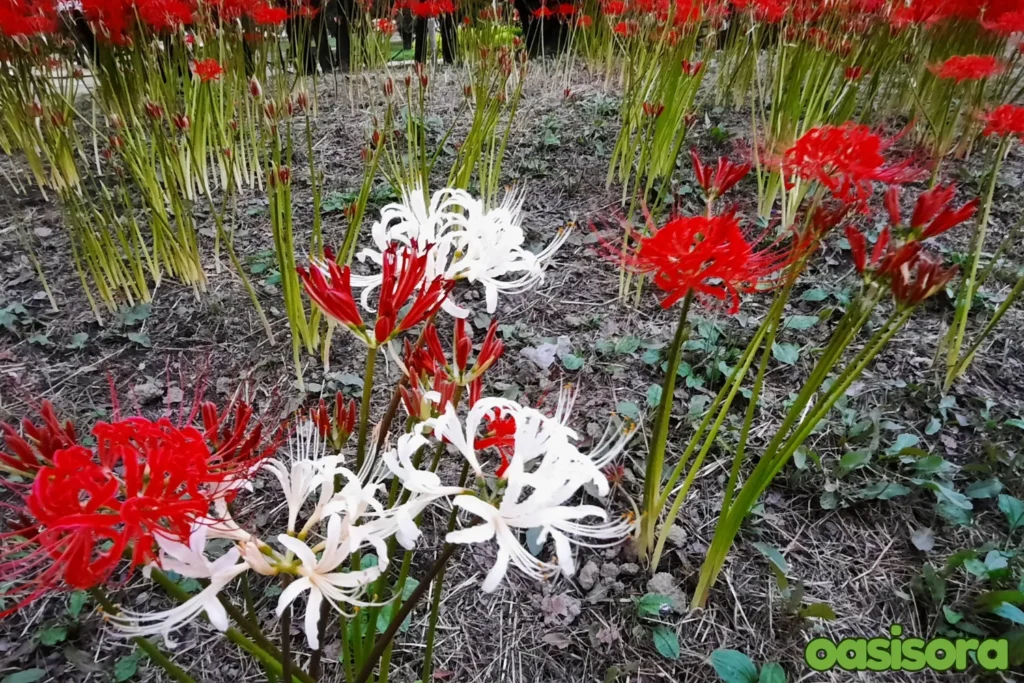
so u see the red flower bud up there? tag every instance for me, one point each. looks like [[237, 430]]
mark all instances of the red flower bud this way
[[389, 87]]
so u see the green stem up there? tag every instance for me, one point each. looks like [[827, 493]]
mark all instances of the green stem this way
[[286, 635], [364, 408], [151, 650], [656, 454], [382, 643], [435, 598], [968, 286]]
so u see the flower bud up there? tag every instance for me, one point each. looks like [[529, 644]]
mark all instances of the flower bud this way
[[181, 122], [255, 89], [154, 111], [284, 174], [389, 87], [302, 100]]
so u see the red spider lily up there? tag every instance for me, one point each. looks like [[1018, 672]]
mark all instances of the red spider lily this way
[[691, 68], [543, 12], [27, 19], [613, 8], [566, 10], [413, 395], [961, 68], [1006, 24], [858, 248], [1005, 120], [307, 11], [625, 29], [87, 508], [431, 9], [920, 279], [335, 427], [163, 15], [653, 109], [500, 434], [584, 21], [846, 159], [269, 15], [404, 271], [333, 294], [725, 176], [40, 442], [207, 69], [853, 73], [385, 25], [932, 213], [707, 255]]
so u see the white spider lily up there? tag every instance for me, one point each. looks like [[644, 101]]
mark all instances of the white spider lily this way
[[545, 470], [188, 560], [423, 482], [221, 572], [304, 473], [466, 241], [319, 578]]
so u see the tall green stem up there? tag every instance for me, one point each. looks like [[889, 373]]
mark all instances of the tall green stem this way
[[656, 454], [364, 408], [965, 295], [382, 643]]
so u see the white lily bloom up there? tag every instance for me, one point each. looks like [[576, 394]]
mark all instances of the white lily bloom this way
[[188, 560], [319, 578], [304, 472], [466, 241], [423, 482], [221, 572], [545, 470]]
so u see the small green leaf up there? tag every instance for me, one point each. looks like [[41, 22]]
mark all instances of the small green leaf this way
[[51, 635], [628, 409], [952, 616], [136, 314], [8, 320], [883, 490], [1011, 612], [944, 493], [572, 362], [903, 441], [666, 642], [799, 322], [1013, 422], [126, 667], [1013, 508], [654, 395], [816, 294], [854, 460], [40, 340], [651, 604], [772, 673], [76, 602], [26, 676], [773, 555], [140, 338], [78, 341], [732, 666], [367, 561], [785, 352], [817, 610], [934, 425], [627, 345], [411, 585], [651, 356], [984, 489]]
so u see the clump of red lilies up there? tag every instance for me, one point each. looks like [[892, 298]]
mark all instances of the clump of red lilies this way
[[85, 509]]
